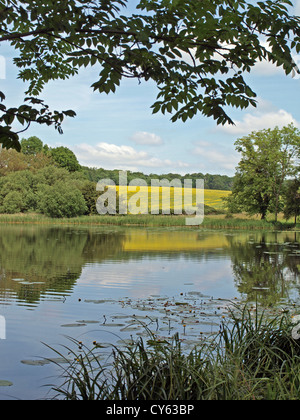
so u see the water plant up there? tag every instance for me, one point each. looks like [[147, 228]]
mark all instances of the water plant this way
[[252, 358]]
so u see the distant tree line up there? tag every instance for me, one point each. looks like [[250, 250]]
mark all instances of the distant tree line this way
[[211, 182]]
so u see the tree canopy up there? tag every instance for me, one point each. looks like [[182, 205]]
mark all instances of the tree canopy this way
[[65, 158], [196, 52], [31, 146], [269, 158]]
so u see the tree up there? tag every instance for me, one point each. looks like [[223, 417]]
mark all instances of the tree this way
[[194, 51], [17, 191], [13, 161], [65, 158], [268, 158], [31, 146], [90, 196], [13, 202], [61, 201], [292, 199]]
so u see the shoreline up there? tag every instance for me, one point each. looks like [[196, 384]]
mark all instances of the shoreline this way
[[238, 221]]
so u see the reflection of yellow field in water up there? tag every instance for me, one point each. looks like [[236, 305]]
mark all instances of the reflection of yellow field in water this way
[[212, 198], [191, 240], [172, 241]]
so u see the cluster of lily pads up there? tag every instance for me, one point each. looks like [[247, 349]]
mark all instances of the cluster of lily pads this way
[[192, 316]]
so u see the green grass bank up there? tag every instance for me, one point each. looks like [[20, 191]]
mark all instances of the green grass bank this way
[[239, 221]]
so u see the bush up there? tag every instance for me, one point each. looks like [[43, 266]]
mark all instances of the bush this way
[[61, 201], [90, 195], [13, 202]]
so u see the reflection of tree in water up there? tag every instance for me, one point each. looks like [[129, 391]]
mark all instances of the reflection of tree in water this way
[[49, 260], [264, 270], [35, 259]]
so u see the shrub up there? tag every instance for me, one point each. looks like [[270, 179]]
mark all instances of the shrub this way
[[61, 201], [13, 202], [90, 195]]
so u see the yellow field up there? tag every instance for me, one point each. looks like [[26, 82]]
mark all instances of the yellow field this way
[[213, 198], [148, 199]]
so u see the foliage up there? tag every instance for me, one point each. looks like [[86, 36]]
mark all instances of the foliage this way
[[268, 158], [195, 52], [292, 199], [211, 182], [60, 201], [65, 158], [250, 359], [13, 202], [29, 172], [50, 190], [31, 146], [13, 161], [90, 195], [16, 191]]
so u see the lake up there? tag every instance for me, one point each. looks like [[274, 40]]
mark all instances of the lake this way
[[105, 284]]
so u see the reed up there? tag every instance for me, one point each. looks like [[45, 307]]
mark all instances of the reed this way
[[210, 221], [250, 359]]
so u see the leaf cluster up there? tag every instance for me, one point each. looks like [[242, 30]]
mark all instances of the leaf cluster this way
[[196, 53]]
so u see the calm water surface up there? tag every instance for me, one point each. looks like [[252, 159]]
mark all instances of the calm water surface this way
[[60, 282]]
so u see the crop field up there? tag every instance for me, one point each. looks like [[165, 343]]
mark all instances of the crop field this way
[[213, 198], [154, 199]]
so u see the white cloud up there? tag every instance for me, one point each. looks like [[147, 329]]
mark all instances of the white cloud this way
[[297, 7], [144, 138], [266, 68], [218, 159], [112, 156], [259, 121]]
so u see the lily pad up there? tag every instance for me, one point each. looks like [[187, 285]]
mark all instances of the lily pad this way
[[5, 383], [190, 321], [87, 322], [102, 345], [126, 342], [131, 328], [97, 301], [112, 324], [73, 325], [41, 362]]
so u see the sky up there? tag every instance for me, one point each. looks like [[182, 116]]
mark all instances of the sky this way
[[119, 131]]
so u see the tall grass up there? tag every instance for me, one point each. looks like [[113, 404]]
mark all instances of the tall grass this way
[[210, 221], [250, 359]]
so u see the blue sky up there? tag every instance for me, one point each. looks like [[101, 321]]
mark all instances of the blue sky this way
[[118, 131]]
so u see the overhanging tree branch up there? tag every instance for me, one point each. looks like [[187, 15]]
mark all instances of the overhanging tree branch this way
[[195, 52]]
